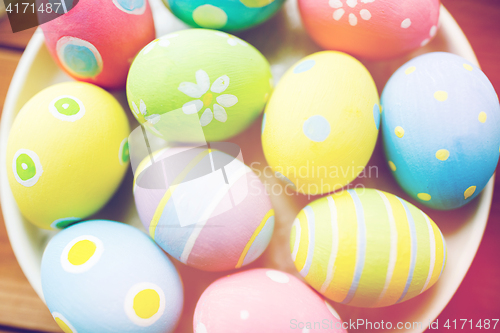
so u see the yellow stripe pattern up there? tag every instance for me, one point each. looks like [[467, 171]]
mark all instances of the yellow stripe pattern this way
[[389, 237], [303, 240], [252, 239], [168, 193]]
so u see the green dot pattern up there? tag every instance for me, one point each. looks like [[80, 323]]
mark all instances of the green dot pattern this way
[[67, 106], [125, 153], [29, 170]]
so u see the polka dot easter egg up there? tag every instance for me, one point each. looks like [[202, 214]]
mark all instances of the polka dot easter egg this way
[[67, 153], [230, 15], [104, 276], [263, 300], [441, 129], [216, 220], [373, 29], [225, 81], [321, 124], [367, 248], [97, 40]]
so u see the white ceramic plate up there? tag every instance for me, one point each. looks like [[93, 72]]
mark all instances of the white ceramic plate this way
[[283, 41]]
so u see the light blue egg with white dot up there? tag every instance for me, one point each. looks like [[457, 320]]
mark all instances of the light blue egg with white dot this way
[[441, 129], [228, 15], [104, 276]]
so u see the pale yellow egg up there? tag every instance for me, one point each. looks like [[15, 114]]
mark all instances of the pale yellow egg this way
[[321, 124], [67, 153]]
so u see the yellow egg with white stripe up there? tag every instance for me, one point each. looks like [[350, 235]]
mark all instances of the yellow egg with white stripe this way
[[367, 248]]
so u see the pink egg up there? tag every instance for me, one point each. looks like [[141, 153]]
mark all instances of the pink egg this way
[[263, 300], [206, 216], [373, 29], [97, 40]]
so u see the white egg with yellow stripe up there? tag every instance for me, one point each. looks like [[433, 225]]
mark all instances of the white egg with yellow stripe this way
[[210, 210], [367, 248]]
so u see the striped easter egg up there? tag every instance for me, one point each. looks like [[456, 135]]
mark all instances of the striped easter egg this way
[[203, 207], [367, 248]]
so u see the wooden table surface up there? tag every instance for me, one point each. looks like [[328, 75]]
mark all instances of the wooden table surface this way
[[479, 294]]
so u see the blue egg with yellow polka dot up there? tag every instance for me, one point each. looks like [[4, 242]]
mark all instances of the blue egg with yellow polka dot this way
[[104, 276], [229, 15], [441, 129]]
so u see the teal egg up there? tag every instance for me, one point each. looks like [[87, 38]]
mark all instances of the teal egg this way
[[229, 15]]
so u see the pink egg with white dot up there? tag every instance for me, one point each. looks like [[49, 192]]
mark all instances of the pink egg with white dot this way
[[372, 29], [97, 40], [263, 300]]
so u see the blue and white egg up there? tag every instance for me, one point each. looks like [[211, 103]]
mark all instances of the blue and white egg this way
[[104, 276]]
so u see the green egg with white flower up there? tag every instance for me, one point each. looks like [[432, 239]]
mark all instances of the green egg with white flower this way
[[215, 78]]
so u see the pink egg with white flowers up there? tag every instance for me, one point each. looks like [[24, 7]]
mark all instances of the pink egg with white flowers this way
[[372, 29], [96, 41], [264, 300]]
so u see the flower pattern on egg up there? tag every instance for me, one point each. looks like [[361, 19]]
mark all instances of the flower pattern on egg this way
[[141, 115], [231, 40], [200, 90], [353, 19], [140, 111]]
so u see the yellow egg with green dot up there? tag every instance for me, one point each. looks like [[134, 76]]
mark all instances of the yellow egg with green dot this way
[[67, 153]]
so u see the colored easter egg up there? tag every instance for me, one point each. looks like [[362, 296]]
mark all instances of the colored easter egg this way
[[105, 276], [367, 248], [213, 219], [321, 123], [263, 300], [371, 29], [226, 82], [230, 15], [441, 131], [97, 40], [67, 153]]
